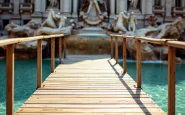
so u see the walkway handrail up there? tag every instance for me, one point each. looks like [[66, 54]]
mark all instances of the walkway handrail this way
[[172, 45], [27, 39], [9, 43]]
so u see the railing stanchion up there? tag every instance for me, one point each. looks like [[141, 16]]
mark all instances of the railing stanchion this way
[[64, 47], [10, 79], [111, 46], [60, 50], [171, 79], [116, 50], [138, 67], [39, 63], [52, 55], [124, 55]]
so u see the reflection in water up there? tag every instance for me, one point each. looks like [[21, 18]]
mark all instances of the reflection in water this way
[[155, 83]]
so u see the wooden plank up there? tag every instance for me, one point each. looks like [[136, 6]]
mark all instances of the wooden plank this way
[[138, 66], [116, 48], [52, 55], [39, 63], [89, 106], [64, 110], [92, 96], [60, 50], [171, 79], [106, 113], [10, 79], [124, 55]]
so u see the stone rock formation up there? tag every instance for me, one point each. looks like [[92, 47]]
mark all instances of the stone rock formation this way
[[27, 30], [168, 31]]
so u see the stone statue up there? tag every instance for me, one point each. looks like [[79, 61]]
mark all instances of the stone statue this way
[[120, 22], [133, 3], [27, 30], [152, 20], [53, 3], [54, 24], [132, 22]]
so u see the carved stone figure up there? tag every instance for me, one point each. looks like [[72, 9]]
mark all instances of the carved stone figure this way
[[152, 20], [120, 22], [132, 22], [27, 30], [133, 3], [53, 3], [54, 24]]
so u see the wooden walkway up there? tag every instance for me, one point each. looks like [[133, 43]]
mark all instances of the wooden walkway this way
[[89, 85]]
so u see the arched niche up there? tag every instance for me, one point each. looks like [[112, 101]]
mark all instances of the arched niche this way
[[50, 7]]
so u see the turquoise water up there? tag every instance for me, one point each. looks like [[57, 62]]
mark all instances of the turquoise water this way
[[155, 81], [25, 81]]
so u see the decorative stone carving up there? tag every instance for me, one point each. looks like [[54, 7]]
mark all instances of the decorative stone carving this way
[[54, 24], [132, 23], [27, 30], [120, 22], [152, 20], [94, 14]]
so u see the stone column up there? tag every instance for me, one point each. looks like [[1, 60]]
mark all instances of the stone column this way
[[183, 3], [149, 7], [16, 15], [112, 8], [37, 15], [66, 7], [168, 9], [121, 6], [75, 6], [143, 6], [163, 3]]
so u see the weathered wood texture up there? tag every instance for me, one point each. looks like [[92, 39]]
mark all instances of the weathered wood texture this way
[[89, 85], [116, 48], [60, 50], [138, 65], [124, 55], [10, 79], [52, 55], [39, 63], [171, 79]]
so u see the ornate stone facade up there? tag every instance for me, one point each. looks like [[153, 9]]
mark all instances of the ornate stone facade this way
[[22, 11]]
